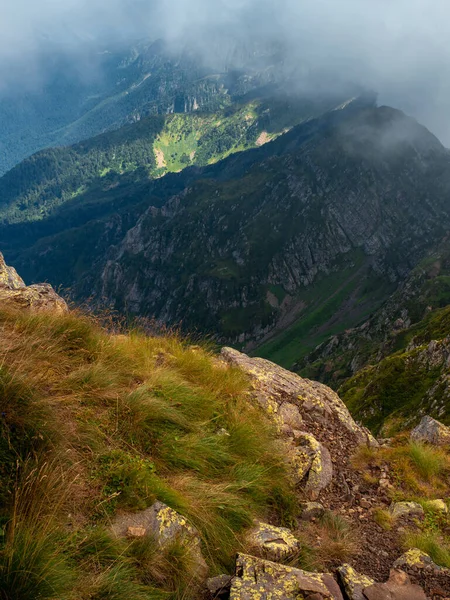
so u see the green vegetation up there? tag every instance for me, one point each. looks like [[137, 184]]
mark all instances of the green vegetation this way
[[94, 423], [149, 148], [388, 394], [328, 306]]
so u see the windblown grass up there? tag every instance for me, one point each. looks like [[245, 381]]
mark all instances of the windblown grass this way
[[132, 419]]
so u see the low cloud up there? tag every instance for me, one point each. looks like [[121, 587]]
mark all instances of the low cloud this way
[[399, 48]]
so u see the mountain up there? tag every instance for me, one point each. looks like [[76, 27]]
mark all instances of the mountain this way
[[393, 366], [151, 148], [99, 89], [273, 248], [145, 467]]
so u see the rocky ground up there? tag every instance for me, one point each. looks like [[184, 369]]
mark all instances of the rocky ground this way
[[321, 440]]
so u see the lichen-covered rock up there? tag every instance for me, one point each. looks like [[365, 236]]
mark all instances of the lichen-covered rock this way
[[398, 587], [399, 510], [353, 582], [258, 579], [273, 543], [431, 431], [320, 472], [416, 559], [39, 298], [312, 510], [274, 386], [166, 526]]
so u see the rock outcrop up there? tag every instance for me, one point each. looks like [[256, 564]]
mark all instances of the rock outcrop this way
[[353, 582], [38, 298], [275, 388], [432, 432], [313, 420]]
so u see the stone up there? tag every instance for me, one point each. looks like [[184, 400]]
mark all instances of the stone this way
[[290, 415], [320, 471], [166, 526], [258, 579], [38, 298], [398, 587], [274, 386], [219, 587], [312, 510], [353, 582], [273, 543], [8, 276], [438, 506], [416, 559], [399, 510], [432, 432], [136, 532]]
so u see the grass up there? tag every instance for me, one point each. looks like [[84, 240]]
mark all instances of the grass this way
[[431, 543], [129, 419], [329, 542], [417, 471]]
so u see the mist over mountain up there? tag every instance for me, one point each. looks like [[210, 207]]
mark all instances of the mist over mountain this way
[[397, 48]]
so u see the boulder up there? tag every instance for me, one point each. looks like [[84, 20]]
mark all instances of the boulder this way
[[38, 298], [273, 543], [432, 432], [353, 582], [399, 510], [275, 386], [398, 587], [312, 510], [258, 579], [166, 526]]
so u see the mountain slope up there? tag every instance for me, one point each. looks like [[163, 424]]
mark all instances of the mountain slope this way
[[154, 145], [349, 202], [105, 88]]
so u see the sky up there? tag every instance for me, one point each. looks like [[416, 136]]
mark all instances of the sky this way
[[399, 48]]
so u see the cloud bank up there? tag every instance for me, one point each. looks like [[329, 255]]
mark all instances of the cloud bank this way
[[399, 48]]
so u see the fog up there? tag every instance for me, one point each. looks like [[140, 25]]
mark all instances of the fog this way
[[399, 48]]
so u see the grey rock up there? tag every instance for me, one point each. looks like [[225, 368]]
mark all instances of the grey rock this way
[[37, 298], [166, 526], [399, 510], [431, 431], [219, 587]]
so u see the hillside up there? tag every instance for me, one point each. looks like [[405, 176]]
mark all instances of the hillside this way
[[303, 237], [136, 466], [148, 149], [105, 88]]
